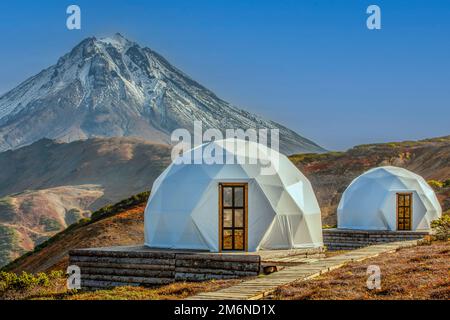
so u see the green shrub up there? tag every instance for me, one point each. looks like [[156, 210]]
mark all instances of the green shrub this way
[[73, 216], [441, 227], [311, 157], [435, 184], [10, 280], [7, 209], [9, 243], [446, 183], [391, 145], [50, 224], [56, 274], [120, 206]]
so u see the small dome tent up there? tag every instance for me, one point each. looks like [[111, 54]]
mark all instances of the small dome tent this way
[[388, 198], [232, 206]]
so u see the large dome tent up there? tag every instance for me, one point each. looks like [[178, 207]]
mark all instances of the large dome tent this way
[[388, 198], [239, 206]]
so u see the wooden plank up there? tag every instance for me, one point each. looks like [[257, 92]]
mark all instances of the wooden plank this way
[[127, 279], [217, 271], [128, 272], [75, 259], [123, 254], [250, 258], [96, 284], [217, 264], [126, 266], [183, 276]]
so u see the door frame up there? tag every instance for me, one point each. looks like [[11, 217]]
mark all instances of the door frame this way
[[397, 194], [233, 184]]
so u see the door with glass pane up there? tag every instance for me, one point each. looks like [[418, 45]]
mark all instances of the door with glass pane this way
[[233, 229], [404, 211]]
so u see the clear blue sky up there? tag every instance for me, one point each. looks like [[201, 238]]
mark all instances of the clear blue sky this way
[[311, 65]]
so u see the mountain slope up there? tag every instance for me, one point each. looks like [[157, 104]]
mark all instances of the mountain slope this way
[[329, 174], [120, 224], [30, 217], [50, 185], [121, 166], [113, 87]]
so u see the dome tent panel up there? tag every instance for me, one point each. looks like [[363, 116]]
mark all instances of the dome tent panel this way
[[252, 171], [309, 223], [362, 206], [258, 223], [202, 217], [293, 231], [300, 194], [175, 196], [420, 221], [289, 173], [171, 204], [191, 237], [194, 173], [160, 235], [270, 180], [278, 235], [229, 172], [287, 206], [272, 194], [210, 171], [297, 194]]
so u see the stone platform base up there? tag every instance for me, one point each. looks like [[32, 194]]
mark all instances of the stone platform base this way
[[346, 239], [144, 266]]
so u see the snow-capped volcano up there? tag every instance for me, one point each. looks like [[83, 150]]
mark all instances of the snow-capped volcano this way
[[113, 87]]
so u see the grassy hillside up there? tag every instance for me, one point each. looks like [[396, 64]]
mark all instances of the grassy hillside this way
[[34, 216], [50, 185], [118, 224]]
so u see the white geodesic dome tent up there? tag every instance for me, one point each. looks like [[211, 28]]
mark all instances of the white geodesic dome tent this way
[[371, 201], [183, 209]]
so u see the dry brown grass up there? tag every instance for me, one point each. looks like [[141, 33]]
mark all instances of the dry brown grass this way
[[174, 291], [57, 291], [421, 272]]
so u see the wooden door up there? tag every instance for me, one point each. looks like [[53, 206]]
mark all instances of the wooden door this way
[[404, 211], [233, 216]]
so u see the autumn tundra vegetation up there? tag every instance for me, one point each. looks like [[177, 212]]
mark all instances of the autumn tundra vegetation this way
[[425, 264]]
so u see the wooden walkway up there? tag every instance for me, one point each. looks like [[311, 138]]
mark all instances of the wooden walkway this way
[[261, 287]]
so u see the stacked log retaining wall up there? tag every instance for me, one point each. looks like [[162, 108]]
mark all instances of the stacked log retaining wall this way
[[346, 239], [103, 268]]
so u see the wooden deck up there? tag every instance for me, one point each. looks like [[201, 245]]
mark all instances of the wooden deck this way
[[261, 287]]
